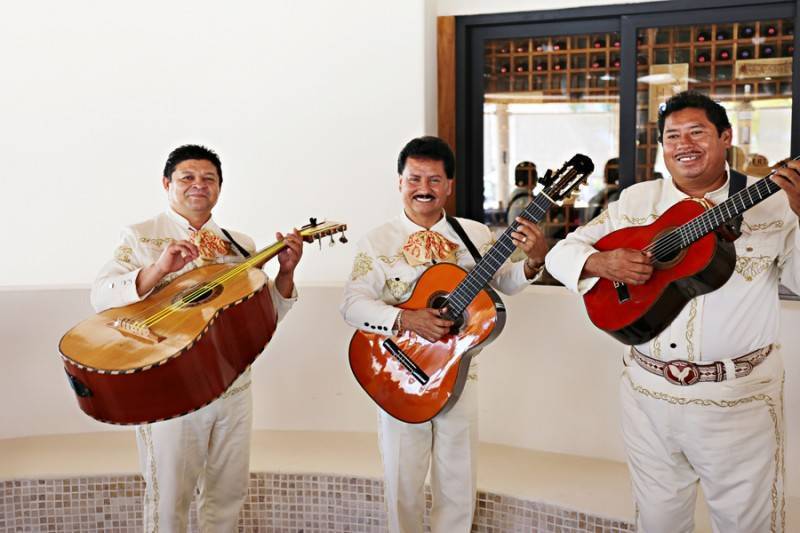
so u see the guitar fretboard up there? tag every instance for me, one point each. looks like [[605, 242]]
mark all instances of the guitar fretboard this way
[[712, 219], [491, 262]]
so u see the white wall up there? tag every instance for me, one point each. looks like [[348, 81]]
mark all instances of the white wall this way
[[307, 103]]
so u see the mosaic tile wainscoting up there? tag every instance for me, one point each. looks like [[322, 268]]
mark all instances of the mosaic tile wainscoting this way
[[275, 502]]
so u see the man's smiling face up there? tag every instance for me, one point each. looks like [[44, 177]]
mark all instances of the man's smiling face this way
[[694, 151], [425, 188]]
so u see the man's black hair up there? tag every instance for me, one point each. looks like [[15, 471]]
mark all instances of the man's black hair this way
[[715, 112], [191, 151], [428, 147]]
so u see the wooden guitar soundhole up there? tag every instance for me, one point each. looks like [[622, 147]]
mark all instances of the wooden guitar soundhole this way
[[668, 259], [197, 295]]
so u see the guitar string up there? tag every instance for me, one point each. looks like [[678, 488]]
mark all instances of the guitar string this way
[[226, 276], [697, 227]]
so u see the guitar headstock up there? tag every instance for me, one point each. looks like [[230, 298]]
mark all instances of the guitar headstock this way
[[317, 230], [568, 178]]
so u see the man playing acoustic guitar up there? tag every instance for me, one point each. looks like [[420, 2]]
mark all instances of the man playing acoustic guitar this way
[[390, 260], [702, 401], [208, 448]]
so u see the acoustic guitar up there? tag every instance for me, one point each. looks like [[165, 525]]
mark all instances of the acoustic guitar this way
[[181, 347], [693, 254], [413, 379]]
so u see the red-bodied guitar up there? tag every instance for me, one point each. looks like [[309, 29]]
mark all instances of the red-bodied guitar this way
[[693, 254], [181, 347], [413, 379]]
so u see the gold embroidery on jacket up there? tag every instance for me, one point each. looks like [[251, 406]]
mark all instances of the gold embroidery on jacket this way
[[397, 288], [639, 221], [362, 265], [750, 267], [763, 225], [123, 253], [157, 242], [599, 219], [391, 259]]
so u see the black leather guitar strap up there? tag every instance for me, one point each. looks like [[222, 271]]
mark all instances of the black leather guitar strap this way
[[738, 182], [236, 244], [463, 236]]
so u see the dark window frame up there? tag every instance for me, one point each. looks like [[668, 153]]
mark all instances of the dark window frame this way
[[473, 30]]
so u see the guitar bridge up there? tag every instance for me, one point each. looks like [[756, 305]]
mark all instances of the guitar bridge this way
[[138, 330], [406, 361]]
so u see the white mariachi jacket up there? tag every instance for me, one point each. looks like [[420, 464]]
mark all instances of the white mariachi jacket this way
[[142, 244], [382, 278], [742, 315]]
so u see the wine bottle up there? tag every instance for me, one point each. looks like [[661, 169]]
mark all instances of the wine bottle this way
[[541, 65], [521, 66], [559, 45], [703, 57], [746, 32], [703, 36], [724, 54], [767, 50], [504, 68], [788, 50], [723, 35], [771, 30], [559, 65], [744, 53], [599, 43], [598, 62], [615, 61]]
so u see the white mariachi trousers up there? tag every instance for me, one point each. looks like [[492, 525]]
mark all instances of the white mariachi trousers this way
[[726, 436], [208, 449], [448, 446]]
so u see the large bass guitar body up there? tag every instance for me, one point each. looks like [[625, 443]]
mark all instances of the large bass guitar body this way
[[123, 373], [413, 379], [634, 314]]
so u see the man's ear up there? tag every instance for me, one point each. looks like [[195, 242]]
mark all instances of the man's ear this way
[[165, 181], [727, 137]]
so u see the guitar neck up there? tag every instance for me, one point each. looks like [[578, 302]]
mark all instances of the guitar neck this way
[[490, 263], [258, 259], [718, 215]]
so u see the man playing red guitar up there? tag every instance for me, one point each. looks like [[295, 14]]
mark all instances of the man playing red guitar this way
[[389, 261], [208, 448], [725, 430]]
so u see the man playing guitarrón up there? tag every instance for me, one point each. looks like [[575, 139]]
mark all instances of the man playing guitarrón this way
[[208, 448], [702, 402], [389, 261]]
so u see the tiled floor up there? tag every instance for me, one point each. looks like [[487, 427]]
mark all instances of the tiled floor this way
[[275, 502]]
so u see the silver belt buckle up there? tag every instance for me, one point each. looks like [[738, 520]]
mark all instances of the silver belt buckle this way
[[680, 372]]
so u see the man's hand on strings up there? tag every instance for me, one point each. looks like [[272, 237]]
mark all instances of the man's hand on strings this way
[[427, 323], [633, 267]]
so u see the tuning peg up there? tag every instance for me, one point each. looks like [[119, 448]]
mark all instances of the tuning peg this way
[[343, 238], [332, 241], [319, 241]]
